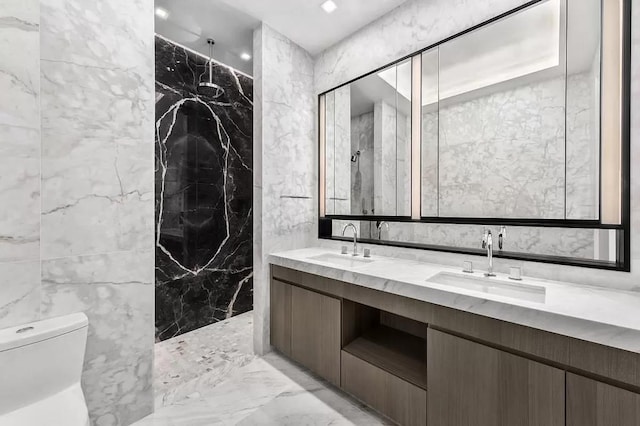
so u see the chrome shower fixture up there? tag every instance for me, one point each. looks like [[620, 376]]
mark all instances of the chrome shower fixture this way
[[209, 87]]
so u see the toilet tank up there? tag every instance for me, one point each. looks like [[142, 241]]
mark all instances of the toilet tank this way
[[40, 360]]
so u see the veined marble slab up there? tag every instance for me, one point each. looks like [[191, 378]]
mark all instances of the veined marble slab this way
[[607, 317], [268, 391]]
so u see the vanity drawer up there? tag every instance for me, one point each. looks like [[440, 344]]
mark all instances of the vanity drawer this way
[[390, 395]]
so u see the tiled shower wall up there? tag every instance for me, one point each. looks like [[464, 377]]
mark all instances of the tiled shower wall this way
[[203, 192], [76, 151]]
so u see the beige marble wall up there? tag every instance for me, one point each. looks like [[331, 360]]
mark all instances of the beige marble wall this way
[[284, 160], [79, 233]]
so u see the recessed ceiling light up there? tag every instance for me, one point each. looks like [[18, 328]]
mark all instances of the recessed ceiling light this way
[[162, 13], [245, 56], [329, 6]]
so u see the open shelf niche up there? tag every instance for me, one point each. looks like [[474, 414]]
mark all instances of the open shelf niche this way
[[390, 342]]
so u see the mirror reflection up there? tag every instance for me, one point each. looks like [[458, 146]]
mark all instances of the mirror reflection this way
[[368, 147], [501, 118], [510, 124], [594, 244]]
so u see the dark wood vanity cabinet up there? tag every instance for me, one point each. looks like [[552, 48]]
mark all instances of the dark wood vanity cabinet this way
[[280, 316], [305, 326], [315, 333], [475, 385], [422, 364], [387, 393], [593, 403]]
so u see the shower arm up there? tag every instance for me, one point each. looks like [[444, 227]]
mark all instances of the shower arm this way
[[211, 43]]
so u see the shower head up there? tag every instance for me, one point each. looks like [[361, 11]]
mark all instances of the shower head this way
[[209, 88]]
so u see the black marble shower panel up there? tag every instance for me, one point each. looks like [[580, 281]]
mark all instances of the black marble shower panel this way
[[204, 224]]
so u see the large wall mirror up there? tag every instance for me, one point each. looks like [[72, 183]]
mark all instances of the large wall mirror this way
[[521, 120], [511, 117], [368, 145]]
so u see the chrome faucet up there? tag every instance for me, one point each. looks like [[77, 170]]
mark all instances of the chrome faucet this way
[[501, 236], [355, 237], [380, 228], [487, 243]]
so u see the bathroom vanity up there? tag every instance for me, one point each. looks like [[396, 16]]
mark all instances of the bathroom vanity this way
[[426, 350]]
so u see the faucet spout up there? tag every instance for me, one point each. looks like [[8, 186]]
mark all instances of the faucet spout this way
[[355, 237], [487, 243], [380, 226]]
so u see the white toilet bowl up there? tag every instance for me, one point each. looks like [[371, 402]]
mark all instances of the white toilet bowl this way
[[40, 370]]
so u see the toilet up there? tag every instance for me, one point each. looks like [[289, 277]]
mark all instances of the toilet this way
[[40, 369]]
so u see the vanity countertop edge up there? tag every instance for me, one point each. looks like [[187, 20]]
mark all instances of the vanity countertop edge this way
[[598, 315]]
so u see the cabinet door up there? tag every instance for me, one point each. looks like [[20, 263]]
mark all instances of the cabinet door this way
[[593, 403], [281, 316], [315, 333], [469, 384], [390, 395]]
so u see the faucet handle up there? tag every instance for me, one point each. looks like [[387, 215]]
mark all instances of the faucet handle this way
[[502, 236]]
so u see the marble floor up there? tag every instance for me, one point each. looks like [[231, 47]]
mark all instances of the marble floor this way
[[211, 377], [201, 359], [268, 391]]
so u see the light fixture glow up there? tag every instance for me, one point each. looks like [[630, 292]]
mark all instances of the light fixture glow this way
[[245, 56], [416, 136], [329, 6], [162, 13], [323, 154]]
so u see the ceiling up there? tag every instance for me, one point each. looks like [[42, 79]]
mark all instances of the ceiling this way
[[304, 22], [231, 23], [191, 22]]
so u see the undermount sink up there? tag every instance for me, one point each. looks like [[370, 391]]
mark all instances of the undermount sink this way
[[342, 259], [491, 285]]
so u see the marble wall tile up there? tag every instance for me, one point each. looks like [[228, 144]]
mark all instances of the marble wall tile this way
[[203, 196], [19, 293], [285, 171], [120, 392], [97, 198], [97, 124], [95, 161], [115, 34], [100, 103], [97, 120], [116, 292], [19, 70], [19, 161], [19, 193]]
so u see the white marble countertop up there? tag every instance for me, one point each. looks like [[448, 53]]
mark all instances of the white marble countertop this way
[[608, 317]]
